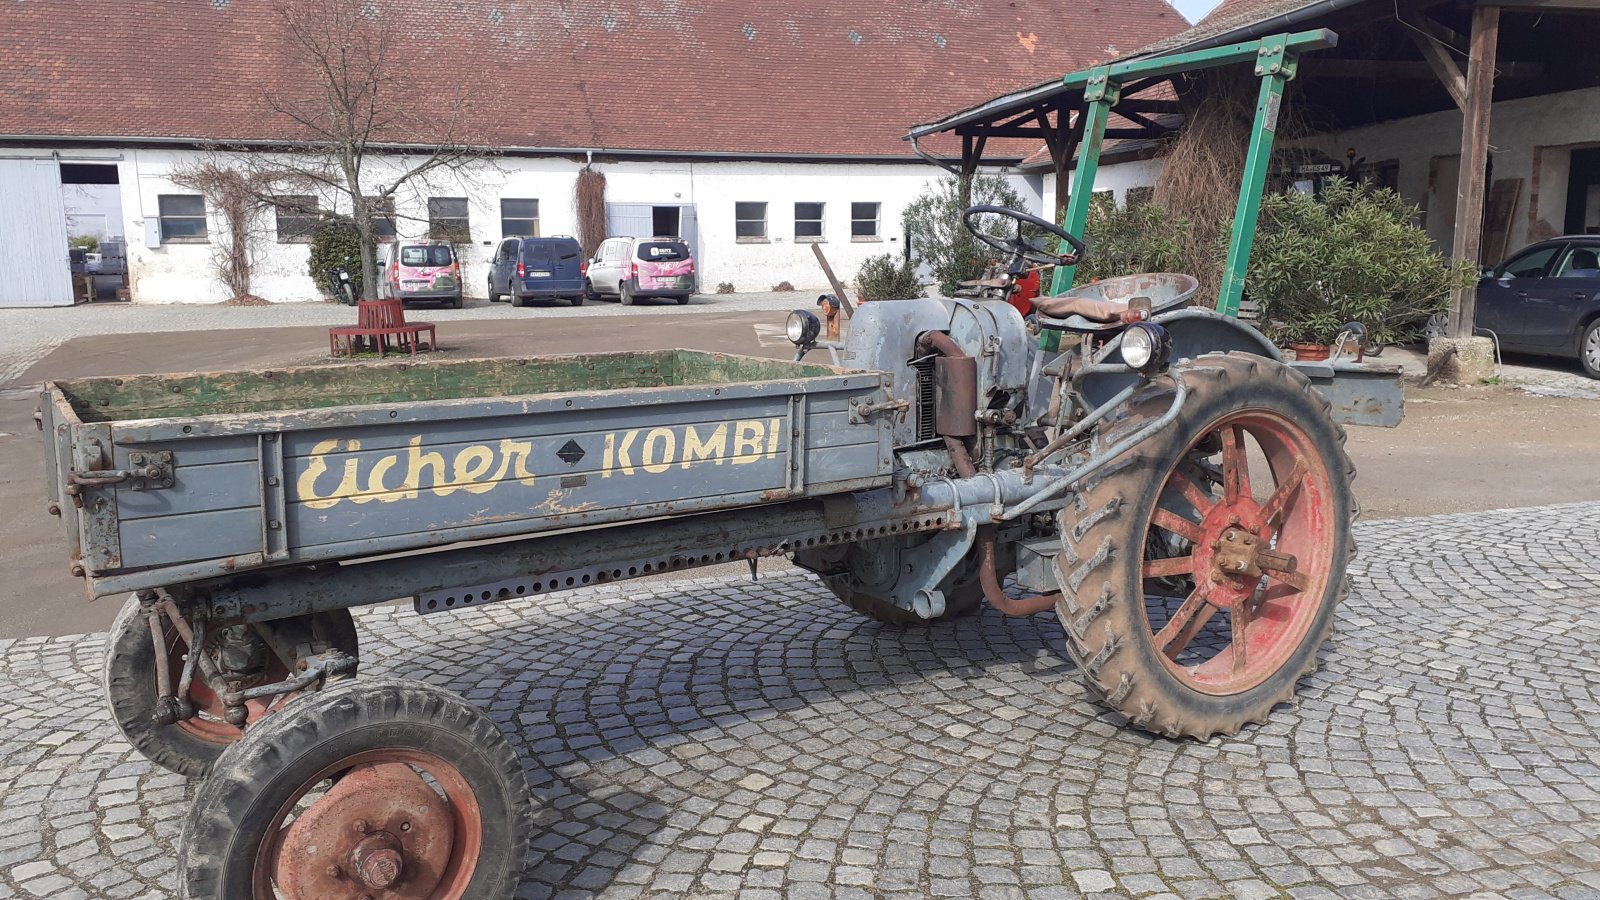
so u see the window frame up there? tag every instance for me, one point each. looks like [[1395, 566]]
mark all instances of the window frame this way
[[382, 219], [1555, 252], [877, 222], [533, 221], [764, 236], [304, 201], [162, 217], [821, 222], [440, 227], [1560, 266]]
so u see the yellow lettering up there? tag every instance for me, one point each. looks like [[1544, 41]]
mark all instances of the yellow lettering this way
[[415, 463], [306, 487], [774, 431], [514, 452], [747, 440], [376, 489], [471, 464], [608, 455], [624, 461], [660, 448], [714, 448], [348, 487]]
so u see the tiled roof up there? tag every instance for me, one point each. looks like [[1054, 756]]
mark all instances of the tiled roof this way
[[1231, 15], [734, 76]]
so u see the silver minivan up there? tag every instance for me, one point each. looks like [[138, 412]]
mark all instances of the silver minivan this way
[[631, 268]]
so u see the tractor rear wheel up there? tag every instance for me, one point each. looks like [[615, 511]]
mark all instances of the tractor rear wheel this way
[[1201, 569]]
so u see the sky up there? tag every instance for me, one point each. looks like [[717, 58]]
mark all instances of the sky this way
[[1194, 10]]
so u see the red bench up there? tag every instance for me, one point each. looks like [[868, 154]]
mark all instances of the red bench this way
[[380, 325]]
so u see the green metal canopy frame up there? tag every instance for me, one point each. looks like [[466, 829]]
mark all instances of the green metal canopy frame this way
[[1276, 59]]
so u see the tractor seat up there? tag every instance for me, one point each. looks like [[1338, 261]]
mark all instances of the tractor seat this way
[[1099, 306]]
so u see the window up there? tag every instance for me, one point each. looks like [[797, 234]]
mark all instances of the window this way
[[662, 251], [750, 221], [297, 218], [183, 217], [1531, 264], [808, 221], [519, 218], [382, 218], [426, 255], [1583, 261], [864, 221], [447, 219]]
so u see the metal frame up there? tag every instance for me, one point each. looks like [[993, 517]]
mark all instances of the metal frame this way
[[1276, 61]]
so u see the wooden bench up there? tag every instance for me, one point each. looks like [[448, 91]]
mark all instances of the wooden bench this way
[[381, 326]]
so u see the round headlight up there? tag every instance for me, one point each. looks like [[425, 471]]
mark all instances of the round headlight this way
[[1145, 347], [803, 327]]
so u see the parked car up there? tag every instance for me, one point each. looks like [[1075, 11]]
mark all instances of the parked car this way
[[631, 268], [1545, 300], [422, 270], [537, 268]]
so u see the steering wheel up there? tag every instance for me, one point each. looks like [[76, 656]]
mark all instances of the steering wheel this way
[[1018, 245]]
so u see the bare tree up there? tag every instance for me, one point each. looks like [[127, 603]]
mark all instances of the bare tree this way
[[350, 101], [237, 194]]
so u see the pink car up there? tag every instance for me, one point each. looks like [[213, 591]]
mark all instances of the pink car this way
[[629, 268]]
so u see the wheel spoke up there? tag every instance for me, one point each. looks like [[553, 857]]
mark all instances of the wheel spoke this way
[[1235, 466], [1275, 504], [1240, 614], [1178, 525], [1177, 565], [1198, 497], [1297, 580], [1186, 622]]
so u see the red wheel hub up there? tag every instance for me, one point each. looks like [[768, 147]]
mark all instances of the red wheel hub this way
[[1261, 551], [381, 831]]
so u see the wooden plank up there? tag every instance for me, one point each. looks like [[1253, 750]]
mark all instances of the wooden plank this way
[[1502, 207], [1474, 160]]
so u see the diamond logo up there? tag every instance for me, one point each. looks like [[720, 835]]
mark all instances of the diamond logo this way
[[570, 453]]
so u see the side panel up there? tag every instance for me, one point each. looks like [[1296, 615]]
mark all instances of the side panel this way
[[33, 232]]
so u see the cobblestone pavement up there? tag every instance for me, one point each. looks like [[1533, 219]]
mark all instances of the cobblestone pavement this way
[[28, 335], [714, 737]]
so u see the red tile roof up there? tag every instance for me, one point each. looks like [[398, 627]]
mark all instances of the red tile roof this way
[[718, 76]]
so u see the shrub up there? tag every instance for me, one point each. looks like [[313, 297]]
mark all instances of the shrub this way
[[783, 287], [1353, 254], [725, 287], [88, 242], [938, 236], [335, 245], [888, 278], [1140, 238]]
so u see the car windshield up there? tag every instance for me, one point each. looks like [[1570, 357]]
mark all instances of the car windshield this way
[[663, 251], [436, 255]]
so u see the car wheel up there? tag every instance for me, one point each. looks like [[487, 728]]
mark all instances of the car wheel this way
[[493, 297], [588, 290], [577, 300], [625, 294], [457, 301], [684, 300], [1589, 349], [516, 295], [1438, 326]]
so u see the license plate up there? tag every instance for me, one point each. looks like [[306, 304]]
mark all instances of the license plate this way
[[415, 283], [540, 274]]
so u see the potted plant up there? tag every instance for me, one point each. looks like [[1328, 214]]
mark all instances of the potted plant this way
[[1351, 254]]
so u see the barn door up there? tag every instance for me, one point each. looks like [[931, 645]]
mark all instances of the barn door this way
[[33, 231], [690, 225], [629, 220]]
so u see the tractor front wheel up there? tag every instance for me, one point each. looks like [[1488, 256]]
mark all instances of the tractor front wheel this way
[[1202, 568]]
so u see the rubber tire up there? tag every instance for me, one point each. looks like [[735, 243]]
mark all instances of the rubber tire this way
[[517, 299], [233, 808], [589, 292], [577, 300], [625, 296], [458, 302], [1591, 370], [684, 300], [1103, 532], [493, 297], [127, 681]]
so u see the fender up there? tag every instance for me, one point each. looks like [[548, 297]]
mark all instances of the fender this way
[[1195, 332]]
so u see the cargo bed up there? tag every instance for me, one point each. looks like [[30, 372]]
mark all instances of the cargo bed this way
[[166, 479]]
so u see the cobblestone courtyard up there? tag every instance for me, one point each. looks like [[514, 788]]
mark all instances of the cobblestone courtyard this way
[[715, 737]]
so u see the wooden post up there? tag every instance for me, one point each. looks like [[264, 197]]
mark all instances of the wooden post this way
[[1474, 160]]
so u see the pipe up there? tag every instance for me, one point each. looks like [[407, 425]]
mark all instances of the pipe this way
[[988, 573]]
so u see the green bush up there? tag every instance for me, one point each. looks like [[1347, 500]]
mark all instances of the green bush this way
[[1140, 238], [335, 245], [1353, 254], [888, 278], [938, 237]]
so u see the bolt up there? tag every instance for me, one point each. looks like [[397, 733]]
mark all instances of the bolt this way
[[405, 826], [77, 571], [136, 458], [333, 871], [361, 826]]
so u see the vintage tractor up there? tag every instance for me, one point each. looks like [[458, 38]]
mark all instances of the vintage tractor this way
[[1150, 470]]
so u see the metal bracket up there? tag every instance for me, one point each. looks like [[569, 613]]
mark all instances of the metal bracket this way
[[149, 471], [861, 409]]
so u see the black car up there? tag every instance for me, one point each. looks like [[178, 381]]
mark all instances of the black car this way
[[1545, 300]]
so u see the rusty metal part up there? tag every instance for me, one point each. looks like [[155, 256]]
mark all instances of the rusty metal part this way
[[830, 314], [380, 831], [315, 668], [955, 381], [1235, 553], [988, 573]]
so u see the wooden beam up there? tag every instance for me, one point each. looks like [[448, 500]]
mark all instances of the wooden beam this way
[[1474, 160], [1443, 65], [1394, 69], [1546, 5]]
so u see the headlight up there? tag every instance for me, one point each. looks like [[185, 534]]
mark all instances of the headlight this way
[[1145, 347], [803, 327]]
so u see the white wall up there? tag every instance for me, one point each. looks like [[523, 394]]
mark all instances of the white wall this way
[[1118, 178], [1531, 138]]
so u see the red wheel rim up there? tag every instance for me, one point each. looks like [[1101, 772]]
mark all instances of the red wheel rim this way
[[396, 825], [208, 723], [1259, 549]]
